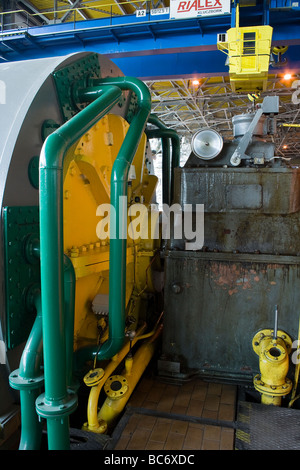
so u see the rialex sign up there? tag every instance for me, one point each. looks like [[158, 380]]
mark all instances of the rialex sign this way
[[198, 8]]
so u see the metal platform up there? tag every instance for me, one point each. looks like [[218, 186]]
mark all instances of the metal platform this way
[[262, 427]]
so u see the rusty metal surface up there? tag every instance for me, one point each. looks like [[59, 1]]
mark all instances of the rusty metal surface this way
[[215, 303], [279, 189], [218, 298], [246, 210]]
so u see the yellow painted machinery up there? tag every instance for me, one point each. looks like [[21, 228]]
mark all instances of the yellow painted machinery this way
[[82, 308], [248, 50], [273, 348], [86, 188]]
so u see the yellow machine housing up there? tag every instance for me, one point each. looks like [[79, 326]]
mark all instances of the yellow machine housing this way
[[86, 189], [86, 194]]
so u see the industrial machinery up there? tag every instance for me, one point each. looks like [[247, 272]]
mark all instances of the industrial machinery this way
[[80, 298], [93, 284], [248, 268]]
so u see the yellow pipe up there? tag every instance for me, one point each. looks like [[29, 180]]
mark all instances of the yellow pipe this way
[[151, 333], [93, 423], [119, 388], [92, 408], [272, 382]]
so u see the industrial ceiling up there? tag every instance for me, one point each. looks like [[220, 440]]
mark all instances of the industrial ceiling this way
[[182, 104]]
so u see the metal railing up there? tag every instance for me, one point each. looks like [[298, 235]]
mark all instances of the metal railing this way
[[284, 5], [9, 19]]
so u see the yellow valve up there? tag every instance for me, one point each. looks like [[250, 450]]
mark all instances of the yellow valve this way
[[273, 353]]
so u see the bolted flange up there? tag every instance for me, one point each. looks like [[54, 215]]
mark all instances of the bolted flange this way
[[18, 382], [93, 377], [58, 410], [260, 335], [116, 387], [101, 428], [272, 390]]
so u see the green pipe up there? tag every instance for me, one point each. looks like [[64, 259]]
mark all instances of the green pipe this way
[[28, 379], [164, 132], [29, 372], [31, 425], [117, 247], [57, 402], [172, 134], [69, 295]]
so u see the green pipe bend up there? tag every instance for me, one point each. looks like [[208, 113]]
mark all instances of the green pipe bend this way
[[117, 256], [165, 133], [52, 159], [28, 379]]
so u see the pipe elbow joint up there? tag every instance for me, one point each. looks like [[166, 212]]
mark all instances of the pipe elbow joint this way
[[110, 348], [52, 153], [272, 382]]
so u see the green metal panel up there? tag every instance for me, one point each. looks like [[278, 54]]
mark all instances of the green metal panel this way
[[21, 271], [79, 72]]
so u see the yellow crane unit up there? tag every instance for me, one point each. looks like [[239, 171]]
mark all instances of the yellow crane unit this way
[[248, 49]]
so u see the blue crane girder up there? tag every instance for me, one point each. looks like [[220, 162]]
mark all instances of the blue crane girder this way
[[152, 46]]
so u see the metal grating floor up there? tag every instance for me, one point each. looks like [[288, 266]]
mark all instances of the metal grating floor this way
[[262, 427]]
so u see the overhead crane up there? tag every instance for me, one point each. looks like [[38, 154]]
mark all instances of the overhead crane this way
[[154, 45]]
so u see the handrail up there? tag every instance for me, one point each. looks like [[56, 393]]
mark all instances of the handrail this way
[[65, 10], [109, 13]]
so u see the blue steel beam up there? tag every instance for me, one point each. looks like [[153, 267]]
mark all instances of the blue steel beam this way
[[152, 47]]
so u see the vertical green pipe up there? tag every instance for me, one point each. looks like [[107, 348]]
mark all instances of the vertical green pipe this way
[[69, 295], [31, 425], [56, 403], [117, 253], [30, 367], [165, 133], [119, 182], [28, 379]]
